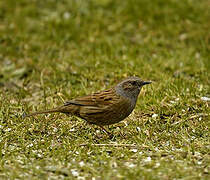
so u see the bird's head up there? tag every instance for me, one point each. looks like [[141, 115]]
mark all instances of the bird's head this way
[[131, 87]]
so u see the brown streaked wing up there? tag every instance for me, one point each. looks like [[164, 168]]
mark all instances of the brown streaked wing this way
[[100, 99], [98, 108], [107, 114]]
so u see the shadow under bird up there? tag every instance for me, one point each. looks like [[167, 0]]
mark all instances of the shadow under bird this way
[[106, 107]]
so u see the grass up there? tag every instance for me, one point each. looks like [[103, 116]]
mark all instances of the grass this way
[[52, 51]]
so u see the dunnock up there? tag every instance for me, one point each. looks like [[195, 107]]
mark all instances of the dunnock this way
[[105, 107]]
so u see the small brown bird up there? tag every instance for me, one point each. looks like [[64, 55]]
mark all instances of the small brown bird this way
[[105, 107]]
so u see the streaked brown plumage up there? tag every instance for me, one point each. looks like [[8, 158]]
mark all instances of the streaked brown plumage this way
[[105, 107]]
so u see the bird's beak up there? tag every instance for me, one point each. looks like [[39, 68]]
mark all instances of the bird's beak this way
[[146, 82]]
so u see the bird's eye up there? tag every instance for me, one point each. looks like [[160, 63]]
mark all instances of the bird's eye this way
[[133, 83]]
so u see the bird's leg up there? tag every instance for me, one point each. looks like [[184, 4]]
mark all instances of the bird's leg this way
[[104, 129], [121, 134], [109, 134]]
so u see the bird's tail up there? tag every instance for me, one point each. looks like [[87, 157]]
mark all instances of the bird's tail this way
[[59, 109]]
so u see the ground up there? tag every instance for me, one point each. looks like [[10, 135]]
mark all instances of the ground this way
[[52, 51]]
